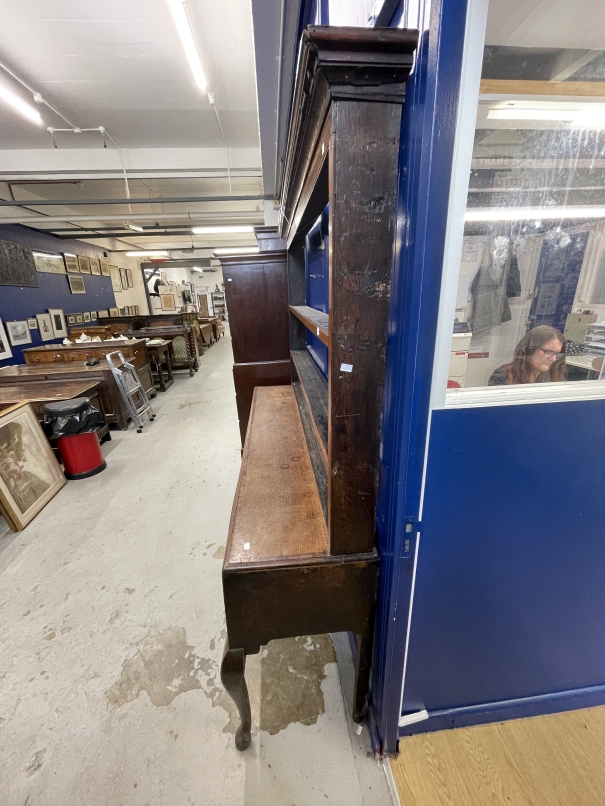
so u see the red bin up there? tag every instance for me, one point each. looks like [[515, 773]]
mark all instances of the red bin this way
[[81, 455], [73, 424]]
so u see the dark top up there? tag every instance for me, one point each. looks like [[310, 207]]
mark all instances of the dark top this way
[[498, 377]]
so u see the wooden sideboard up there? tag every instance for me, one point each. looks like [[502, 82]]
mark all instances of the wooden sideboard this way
[[133, 350]]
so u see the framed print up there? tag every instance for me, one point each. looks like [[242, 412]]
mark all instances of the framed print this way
[[167, 302], [116, 281], [79, 319], [49, 264], [5, 350], [104, 263], [45, 326], [29, 473], [76, 284], [124, 279], [71, 263], [114, 311], [57, 318], [95, 266], [18, 333], [32, 323], [71, 319], [86, 316], [102, 314], [93, 316], [130, 278], [84, 264]]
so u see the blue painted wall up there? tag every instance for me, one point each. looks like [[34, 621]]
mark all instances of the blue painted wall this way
[[317, 279], [53, 290], [509, 603]]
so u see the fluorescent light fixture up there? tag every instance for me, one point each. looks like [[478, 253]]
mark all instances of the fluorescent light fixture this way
[[148, 253], [218, 230], [134, 227], [237, 250], [197, 268], [583, 115], [534, 213], [185, 32], [20, 105]]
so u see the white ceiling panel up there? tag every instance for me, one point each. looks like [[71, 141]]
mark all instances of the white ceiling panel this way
[[547, 23]]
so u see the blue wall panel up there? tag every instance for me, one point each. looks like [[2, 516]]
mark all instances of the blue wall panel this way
[[317, 277], [510, 588], [53, 289]]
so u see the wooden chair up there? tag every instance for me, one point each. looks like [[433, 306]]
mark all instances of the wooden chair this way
[[300, 556]]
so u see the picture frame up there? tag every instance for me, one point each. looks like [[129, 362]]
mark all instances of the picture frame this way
[[130, 278], [79, 319], [124, 279], [86, 315], [102, 314], [136, 310], [5, 350], [114, 311], [84, 264], [71, 263], [167, 302], [59, 325], [116, 280], [76, 284], [30, 476], [45, 326], [18, 333], [49, 264], [71, 319], [93, 316], [32, 323], [104, 263], [95, 266]]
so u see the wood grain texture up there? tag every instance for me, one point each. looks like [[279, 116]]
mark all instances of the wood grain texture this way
[[552, 760], [277, 511], [490, 86], [317, 322], [247, 377]]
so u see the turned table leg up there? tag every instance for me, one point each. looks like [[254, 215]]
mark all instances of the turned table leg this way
[[232, 676]]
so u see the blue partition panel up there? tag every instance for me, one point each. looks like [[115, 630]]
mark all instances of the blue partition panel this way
[[317, 277], [509, 605]]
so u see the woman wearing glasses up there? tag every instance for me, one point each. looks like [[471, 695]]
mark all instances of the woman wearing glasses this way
[[538, 358]]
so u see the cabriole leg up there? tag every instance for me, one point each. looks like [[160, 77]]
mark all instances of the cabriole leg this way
[[232, 676]]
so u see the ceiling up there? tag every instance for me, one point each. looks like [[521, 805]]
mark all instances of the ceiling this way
[[120, 65]]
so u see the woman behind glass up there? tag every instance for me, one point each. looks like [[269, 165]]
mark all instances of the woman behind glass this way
[[538, 358]]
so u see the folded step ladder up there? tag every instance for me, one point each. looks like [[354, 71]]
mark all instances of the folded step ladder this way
[[130, 386]]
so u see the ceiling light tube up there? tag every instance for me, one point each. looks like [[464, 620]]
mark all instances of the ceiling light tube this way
[[524, 213], [20, 105], [218, 230], [237, 250], [148, 253], [185, 32], [135, 227]]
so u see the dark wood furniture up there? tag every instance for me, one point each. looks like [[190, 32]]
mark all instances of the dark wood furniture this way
[[100, 331], [256, 290], [133, 350], [114, 407], [218, 328], [207, 334], [183, 344], [132, 324], [159, 358], [42, 392], [301, 555]]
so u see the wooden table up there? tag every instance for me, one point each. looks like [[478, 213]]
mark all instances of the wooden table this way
[[40, 393], [159, 354], [207, 334]]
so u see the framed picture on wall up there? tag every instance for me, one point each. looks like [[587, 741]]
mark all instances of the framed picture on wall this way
[[71, 319], [102, 314], [5, 350], [130, 278], [93, 316], [32, 323], [49, 264], [124, 279], [76, 284], [95, 266], [79, 319], [18, 333], [71, 263], [114, 311], [29, 473], [116, 282], [84, 264], [104, 263], [45, 326], [57, 318], [167, 302], [86, 316]]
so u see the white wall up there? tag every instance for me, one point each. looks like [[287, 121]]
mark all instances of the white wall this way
[[135, 295]]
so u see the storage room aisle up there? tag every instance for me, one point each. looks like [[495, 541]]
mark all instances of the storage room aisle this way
[[112, 632]]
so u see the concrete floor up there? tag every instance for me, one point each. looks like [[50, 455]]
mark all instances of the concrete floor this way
[[112, 631]]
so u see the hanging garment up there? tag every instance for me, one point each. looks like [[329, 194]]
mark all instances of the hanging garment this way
[[498, 279]]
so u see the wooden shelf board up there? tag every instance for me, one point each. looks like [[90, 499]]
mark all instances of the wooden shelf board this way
[[317, 322]]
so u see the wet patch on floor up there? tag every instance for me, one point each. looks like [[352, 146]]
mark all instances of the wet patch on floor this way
[[164, 666]]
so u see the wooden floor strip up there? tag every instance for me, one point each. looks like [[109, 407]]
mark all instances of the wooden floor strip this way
[[556, 760]]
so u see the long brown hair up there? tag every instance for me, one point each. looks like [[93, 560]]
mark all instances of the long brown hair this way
[[521, 370]]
